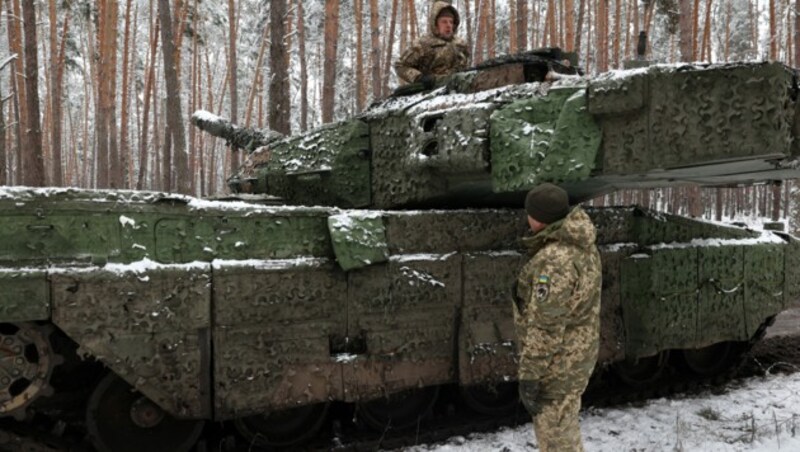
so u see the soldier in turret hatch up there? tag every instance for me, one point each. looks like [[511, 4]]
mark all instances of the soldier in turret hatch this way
[[557, 316], [438, 53]]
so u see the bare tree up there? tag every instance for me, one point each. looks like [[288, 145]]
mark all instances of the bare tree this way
[[279, 106], [3, 157], [33, 161], [569, 25], [773, 32], [601, 27], [361, 92], [124, 146], [105, 83], [522, 25], [57, 54], [796, 31], [17, 82], [375, 55], [329, 64], [686, 29], [388, 52], [149, 81], [301, 50], [232, 70], [174, 138]]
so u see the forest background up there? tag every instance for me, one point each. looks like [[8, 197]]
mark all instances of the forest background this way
[[99, 93]]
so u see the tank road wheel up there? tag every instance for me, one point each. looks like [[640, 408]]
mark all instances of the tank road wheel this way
[[26, 364], [285, 428], [120, 419], [642, 371], [398, 411], [714, 359], [491, 399]]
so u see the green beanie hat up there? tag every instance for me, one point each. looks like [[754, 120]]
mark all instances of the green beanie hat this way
[[547, 203]]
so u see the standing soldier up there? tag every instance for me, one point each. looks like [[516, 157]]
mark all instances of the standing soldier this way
[[557, 316], [438, 53]]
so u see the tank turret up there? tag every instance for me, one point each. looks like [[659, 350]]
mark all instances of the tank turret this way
[[485, 136]]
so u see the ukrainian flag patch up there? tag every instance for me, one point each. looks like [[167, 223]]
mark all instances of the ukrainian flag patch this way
[[543, 279]]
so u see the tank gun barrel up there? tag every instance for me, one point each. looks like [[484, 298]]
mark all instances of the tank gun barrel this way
[[247, 138]]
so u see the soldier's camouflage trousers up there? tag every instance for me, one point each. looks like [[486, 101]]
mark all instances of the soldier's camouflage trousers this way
[[556, 427]]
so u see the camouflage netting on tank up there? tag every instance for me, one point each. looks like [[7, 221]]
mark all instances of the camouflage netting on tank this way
[[543, 139], [25, 295], [674, 282], [272, 332], [328, 166], [147, 325], [671, 116], [435, 145]]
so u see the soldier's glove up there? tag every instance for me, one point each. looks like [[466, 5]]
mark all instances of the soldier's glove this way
[[529, 395], [427, 80]]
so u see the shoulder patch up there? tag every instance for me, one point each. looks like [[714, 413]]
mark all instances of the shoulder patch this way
[[542, 287]]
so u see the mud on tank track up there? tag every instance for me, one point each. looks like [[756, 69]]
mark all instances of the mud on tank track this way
[[776, 354]]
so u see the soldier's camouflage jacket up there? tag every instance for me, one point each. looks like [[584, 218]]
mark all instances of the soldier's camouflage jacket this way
[[557, 308], [432, 54]]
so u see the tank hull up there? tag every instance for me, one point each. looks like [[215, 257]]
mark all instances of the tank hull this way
[[219, 310]]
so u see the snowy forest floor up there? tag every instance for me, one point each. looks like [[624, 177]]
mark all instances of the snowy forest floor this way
[[755, 413]]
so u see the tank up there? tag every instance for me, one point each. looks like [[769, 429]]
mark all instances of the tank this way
[[376, 268]]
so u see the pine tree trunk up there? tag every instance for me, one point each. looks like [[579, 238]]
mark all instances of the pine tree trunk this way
[[468, 23], [773, 32], [174, 132], [569, 25], [491, 44], [412, 21], [257, 79], [301, 50], [695, 28], [361, 93], [279, 111], [149, 81], [389, 45], [705, 54], [232, 70], [581, 14], [3, 159], [796, 32], [376, 49], [602, 35], [512, 25], [57, 52], [522, 25], [686, 22], [776, 200], [480, 39], [329, 64], [17, 79], [124, 145], [617, 31], [106, 45], [33, 163]]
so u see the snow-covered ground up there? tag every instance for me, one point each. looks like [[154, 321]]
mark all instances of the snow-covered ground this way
[[757, 414]]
